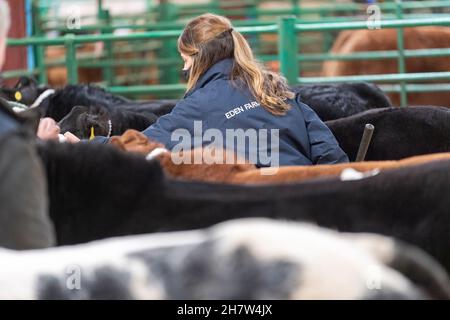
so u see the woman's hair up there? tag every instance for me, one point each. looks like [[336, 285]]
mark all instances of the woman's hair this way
[[210, 38]]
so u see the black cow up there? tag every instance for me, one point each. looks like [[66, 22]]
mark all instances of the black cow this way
[[78, 108], [57, 103], [98, 192], [100, 121], [85, 107], [399, 132], [334, 101], [61, 103], [241, 259]]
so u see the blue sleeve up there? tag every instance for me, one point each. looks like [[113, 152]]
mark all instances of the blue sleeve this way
[[97, 139], [182, 118], [324, 146]]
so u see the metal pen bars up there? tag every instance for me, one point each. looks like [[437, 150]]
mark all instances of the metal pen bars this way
[[287, 29]]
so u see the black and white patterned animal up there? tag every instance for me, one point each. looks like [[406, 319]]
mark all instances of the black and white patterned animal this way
[[241, 259]]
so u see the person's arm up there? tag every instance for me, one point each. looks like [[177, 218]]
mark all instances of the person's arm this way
[[324, 146], [182, 116]]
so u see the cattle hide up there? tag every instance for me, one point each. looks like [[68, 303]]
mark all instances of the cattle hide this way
[[96, 192], [349, 42], [61, 102], [105, 121], [244, 173], [78, 108], [335, 101], [241, 259], [399, 132]]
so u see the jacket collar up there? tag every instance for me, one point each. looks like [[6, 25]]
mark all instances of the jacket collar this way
[[220, 70]]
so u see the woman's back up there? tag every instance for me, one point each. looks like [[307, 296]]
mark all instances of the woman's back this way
[[222, 112]]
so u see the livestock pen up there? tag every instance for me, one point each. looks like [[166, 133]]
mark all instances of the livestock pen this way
[[315, 27], [287, 30], [138, 194]]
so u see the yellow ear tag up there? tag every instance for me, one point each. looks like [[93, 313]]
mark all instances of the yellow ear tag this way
[[92, 136], [18, 96]]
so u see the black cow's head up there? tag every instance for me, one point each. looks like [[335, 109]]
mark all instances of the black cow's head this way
[[25, 91], [86, 122]]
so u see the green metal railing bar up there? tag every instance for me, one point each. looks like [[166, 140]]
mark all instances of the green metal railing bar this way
[[401, 54], [19, 73], [435, 87], [151, 89], [288, 45], [180, 88], [71, 59], [289, 27], [378, 77], [70, 41], [375, 55], [353, 25], [177, 25], [133, 36]]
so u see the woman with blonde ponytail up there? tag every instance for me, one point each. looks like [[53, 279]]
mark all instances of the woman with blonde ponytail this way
[[228, 89]]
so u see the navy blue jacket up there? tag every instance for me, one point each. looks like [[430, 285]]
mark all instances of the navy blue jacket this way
[[220, 104]]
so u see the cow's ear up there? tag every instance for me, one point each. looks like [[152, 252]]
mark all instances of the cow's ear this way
[[23, 81], [30, 119]]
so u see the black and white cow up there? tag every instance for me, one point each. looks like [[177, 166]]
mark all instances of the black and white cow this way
[[57, 103], [399, 132], [25, 91], [97, 192], [83, 108], [241, 259], [335, 101]]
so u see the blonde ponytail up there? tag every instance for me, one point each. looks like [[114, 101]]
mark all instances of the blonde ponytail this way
[[210, 38], [270, 89]]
